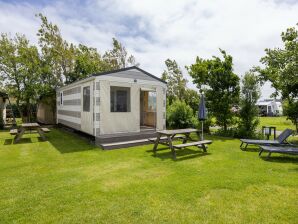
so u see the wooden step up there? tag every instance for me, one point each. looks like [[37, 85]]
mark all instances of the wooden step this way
[[122, 137], [204, 142], [125, 144]]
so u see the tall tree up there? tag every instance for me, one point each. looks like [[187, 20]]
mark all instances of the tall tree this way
[[281, 69], [20, 67], [192, 99], [118, 57], [58, 55], [220, 84], [87, 61], [250, 93], [176, 83]]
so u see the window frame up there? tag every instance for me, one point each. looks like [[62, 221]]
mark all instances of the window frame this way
[[114, 91], [89, 99], [61, 98]]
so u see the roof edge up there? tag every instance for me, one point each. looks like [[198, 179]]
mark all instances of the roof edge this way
[[129, 68]]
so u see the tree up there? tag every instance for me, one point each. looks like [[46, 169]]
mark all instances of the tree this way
[[220, 84], [250, 93], [281, 69], [118, 57], [192, 99], [176, 83], [58, 56], [20, 68], [87, 61]]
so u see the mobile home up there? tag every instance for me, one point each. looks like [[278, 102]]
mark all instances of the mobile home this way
[[127, 100], [269, 107]]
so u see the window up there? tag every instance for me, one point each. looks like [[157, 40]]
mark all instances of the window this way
[[86, 99], [152, 101], [61, 98], [120, 99]]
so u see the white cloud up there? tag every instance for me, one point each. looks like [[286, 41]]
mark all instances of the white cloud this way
[[155, 30]]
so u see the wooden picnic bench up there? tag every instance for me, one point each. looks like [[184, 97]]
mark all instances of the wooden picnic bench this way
[[28, 127], [166, 137]]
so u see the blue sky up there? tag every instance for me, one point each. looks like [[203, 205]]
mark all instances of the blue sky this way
[[154, 30]]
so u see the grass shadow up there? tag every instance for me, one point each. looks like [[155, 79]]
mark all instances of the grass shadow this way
[[8, 141], [281, 159], [181, 155], [23, 141], [69, 142], [251, 149]]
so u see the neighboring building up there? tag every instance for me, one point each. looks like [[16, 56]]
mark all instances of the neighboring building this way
[[269, 107], [45, 111], [3, 103], [127, 100]]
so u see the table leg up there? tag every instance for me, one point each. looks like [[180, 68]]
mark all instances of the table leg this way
[[186, 138], [204, 148], [41, 133], [171, 146], [19, 135], [156, 143]]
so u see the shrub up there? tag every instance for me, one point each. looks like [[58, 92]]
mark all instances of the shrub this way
[[180, 115]]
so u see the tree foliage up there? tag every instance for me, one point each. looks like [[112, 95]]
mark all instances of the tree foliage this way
[[250, 93], [118, 57], [220, 84], [20, 69], [281, 69], [180, 115], [176, 83]]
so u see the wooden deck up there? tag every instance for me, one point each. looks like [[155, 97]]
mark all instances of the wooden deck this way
[[123, 140]]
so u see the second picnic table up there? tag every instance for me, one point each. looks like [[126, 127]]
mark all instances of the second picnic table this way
[[167, 136], [28, 127]]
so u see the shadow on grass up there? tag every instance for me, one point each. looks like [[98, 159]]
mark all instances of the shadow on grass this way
[[67, 142], [281, 159], [8, 141], [181, 155], [251, 149]]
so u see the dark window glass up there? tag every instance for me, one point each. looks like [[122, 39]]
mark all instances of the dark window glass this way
[[61, 98], [120, 99], [86, 99]]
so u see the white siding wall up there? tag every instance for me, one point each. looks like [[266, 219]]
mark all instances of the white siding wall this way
[[121, 122], [69, 112]]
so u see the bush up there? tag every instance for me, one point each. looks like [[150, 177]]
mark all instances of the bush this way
[[180, 115]]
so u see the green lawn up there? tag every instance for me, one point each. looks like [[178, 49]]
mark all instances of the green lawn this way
[[280, 123], [67, 180]]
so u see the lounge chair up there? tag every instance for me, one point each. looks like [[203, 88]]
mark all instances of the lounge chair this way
[[280, 140], [291, 149]]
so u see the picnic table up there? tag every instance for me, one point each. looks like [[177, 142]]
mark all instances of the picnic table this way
[[29, 127], [166, 137]]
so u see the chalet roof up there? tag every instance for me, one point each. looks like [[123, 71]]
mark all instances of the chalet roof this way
[[129, 68]]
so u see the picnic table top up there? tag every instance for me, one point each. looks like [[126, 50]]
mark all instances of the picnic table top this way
[[30, 125], [177, 131]]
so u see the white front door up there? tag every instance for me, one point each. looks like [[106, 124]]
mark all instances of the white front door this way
[[87, 108]]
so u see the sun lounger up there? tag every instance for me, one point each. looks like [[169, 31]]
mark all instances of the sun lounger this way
[[280, 140], [291, 149]]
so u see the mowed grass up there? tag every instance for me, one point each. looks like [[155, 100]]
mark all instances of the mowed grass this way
[[67, 180], [281, 123]]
